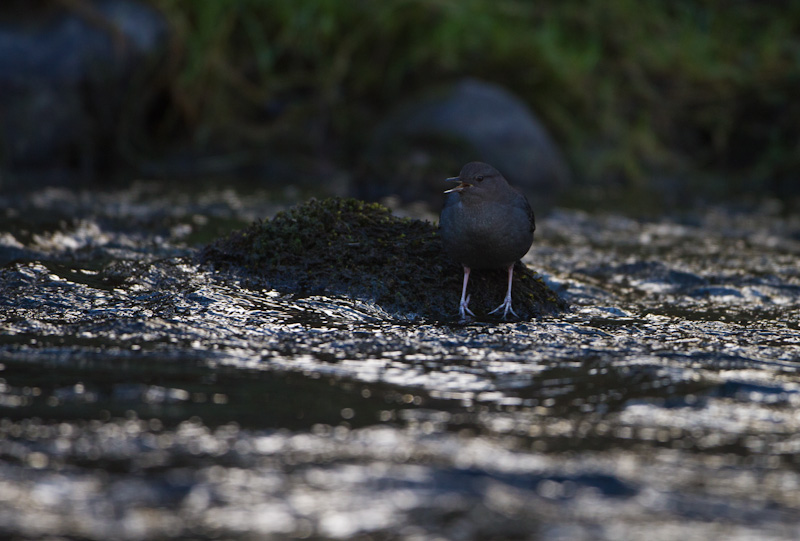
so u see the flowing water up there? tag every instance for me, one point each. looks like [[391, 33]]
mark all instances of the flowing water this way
[[145, 397]]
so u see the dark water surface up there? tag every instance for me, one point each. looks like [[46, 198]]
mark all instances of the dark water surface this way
[[143, 397]]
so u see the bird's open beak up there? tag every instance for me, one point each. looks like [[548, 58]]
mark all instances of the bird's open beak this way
[[458, 188]]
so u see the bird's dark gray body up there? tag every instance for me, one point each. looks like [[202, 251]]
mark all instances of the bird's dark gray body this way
[[486, 225]]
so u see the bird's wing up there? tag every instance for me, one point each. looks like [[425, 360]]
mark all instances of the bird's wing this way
[[522, 202], [531, 217]]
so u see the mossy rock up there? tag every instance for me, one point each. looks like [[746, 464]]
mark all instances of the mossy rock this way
[[347, 247]]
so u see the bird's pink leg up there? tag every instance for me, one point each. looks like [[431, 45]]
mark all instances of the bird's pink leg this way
[[506, 306], [463, 307]]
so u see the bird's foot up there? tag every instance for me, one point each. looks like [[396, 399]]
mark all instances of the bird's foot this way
[[463, 309], [506, 307]]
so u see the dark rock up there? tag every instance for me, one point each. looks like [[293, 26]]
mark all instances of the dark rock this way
[[346, 247], [420, 144], [71, 82]]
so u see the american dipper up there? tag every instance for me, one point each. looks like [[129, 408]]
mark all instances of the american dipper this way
[[485, 224]]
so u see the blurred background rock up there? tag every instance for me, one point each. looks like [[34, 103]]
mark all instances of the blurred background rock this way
[[638, 105]]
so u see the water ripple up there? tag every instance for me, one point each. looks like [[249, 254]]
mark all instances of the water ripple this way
[[144, 397]]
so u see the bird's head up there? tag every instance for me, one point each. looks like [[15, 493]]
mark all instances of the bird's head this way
[[477, 178]]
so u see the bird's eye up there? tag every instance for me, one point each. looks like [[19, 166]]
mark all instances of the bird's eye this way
[[479, 178]]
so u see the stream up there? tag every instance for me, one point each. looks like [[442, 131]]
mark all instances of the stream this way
[[143, 396]]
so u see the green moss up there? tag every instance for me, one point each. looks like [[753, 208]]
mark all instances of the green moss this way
[[356, 249]]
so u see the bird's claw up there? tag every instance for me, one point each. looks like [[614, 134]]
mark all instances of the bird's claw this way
[[463, 309], [506, 306]]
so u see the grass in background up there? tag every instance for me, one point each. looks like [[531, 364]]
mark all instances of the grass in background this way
[[629, 88]]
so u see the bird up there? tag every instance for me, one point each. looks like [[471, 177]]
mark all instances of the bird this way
[[485, 223]]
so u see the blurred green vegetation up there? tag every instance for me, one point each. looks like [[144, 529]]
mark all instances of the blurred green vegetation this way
[[631, 89]]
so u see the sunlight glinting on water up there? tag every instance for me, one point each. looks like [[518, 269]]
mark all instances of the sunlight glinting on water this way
[[144, 396]]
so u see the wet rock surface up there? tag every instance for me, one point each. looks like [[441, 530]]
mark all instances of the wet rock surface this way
[[359, 250], [145, 396]]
